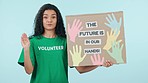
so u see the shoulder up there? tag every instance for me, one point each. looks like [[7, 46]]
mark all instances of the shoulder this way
[[34, 38], [62, 40]]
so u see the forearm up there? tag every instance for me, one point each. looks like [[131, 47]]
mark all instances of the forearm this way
[[27, 61], [83, 69]]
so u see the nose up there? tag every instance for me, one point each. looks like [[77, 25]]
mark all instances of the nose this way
[[49, 20]]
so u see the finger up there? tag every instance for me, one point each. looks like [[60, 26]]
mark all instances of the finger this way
[[92, 60], [122, 46], [80, 49], [117, 34], [80, 28], [71, 53], [120, 22], [22, 38], [108, 25], [74, 23], [102, 61], [110, 18], [69, 28], [119, 41], [24, 35], [22, 42], [114, 17], [95, 58], [109, 63], [99, 58], [111, 32], [77, 23], [74, 49], [105, 64], [83, 56]]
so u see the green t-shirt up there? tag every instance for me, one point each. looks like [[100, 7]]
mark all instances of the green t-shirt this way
[[49, 58]]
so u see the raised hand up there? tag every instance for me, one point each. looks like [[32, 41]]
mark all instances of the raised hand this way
[[96, 60], [25, 41], [110, 39], [76, 55], [113, 23], [74, 29], [116, 52]]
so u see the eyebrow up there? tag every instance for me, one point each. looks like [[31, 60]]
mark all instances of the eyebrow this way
[[47, 14]]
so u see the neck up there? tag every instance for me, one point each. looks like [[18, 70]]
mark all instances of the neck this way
[[49, 34]]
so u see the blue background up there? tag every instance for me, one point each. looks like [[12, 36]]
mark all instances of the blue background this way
[[17, 16]]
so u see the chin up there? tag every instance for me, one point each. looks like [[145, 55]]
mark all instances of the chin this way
[[49, 29]]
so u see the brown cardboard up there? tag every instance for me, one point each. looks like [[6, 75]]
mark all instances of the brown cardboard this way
[[91, 39]]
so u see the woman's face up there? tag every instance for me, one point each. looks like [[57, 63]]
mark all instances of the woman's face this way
[[49, 19]]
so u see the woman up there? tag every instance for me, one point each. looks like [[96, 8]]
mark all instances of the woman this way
[[45, 53]]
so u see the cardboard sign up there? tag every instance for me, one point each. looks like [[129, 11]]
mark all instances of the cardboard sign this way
[[94, 38]]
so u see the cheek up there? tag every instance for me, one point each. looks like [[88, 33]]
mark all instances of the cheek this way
[[44, 21], [55, 22], [44, 24]]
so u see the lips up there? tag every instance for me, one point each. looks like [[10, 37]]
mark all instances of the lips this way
[[49, 24]]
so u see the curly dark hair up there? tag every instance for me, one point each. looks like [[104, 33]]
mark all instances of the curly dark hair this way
[[38, 22]]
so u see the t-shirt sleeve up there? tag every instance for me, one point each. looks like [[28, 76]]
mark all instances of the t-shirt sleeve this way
[[67, 54], [32, 56]]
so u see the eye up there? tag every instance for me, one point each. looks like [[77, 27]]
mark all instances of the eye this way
[[53, 17], [45, 17]]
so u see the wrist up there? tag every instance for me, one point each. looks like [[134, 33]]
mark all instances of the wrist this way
[[76, 64], [26, 49], [72, 39], [120, 60]]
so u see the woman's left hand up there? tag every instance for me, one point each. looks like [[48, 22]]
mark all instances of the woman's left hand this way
[[107, 63]]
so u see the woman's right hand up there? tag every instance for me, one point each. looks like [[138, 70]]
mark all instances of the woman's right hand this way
[[27, 61], [25, 41]]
